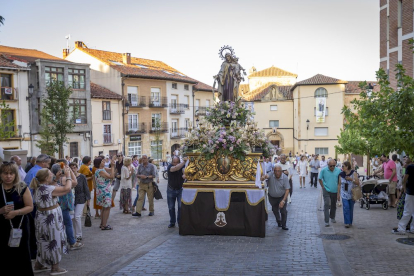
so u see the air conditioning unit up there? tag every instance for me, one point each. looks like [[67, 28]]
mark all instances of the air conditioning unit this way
[[87, 135], [119, 141]]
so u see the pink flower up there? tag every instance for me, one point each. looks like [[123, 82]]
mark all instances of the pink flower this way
[[212, 151], [231, 148]]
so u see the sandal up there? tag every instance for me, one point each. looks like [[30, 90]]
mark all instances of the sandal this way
[[97, 217], [41, 269], [58, 272], [108, 227]]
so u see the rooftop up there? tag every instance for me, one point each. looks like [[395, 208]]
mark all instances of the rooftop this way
[[26, 55], [261, 91], [319, 79], [100, 92], [272, 72]]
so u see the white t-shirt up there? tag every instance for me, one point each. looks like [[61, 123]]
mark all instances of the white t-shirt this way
[[323, 164], [125, 183]]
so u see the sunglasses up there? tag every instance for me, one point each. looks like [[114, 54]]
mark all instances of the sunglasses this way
[[7, 162], [331, 166]]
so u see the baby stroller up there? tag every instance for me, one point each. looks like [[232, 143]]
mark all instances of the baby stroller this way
[[374, 192]]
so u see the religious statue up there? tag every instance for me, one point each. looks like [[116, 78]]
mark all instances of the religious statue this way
[[229, 76]]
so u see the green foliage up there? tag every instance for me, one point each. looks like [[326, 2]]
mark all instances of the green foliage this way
[[57, 116], [6, 126], [157, 149], [46, 143], [383, 120], [2, 19]]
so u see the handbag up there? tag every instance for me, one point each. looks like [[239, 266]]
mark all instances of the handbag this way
[[157, 192], [356, 193], [15, 233], [88, 217]]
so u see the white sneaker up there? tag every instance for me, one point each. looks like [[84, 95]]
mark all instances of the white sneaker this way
[[398, 232], [333, 220], [76, 245], [326, 224]]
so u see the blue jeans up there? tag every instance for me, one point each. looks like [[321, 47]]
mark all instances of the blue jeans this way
[[136, 199], [67, 221], [348, 207], [172, 196]]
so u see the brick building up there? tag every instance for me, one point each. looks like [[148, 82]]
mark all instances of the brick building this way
[[396, 28]]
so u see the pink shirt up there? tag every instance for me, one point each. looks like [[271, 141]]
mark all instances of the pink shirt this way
[[388, 167]]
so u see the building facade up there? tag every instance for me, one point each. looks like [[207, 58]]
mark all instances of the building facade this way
[[396, 29]]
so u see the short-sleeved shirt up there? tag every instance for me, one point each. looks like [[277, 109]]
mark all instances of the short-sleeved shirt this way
[[323, 164], [125, 183], [330, 179], [388, 167], [87, 173], [410, 182], [67, 201], [277, 186], [146, 170], [315, 165]]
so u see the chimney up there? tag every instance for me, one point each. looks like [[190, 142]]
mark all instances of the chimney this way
[[79, 44], [126, 58], [65, 53]]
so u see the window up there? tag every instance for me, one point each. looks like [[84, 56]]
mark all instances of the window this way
[[187, 123], [6, 86], [174, 85], [156, 96], [73, 149], [321, 151], [76, 78], [187, 102], [274, 123], [132, 95], [273, 108], [321, 131], [79, 117], [53, 73], [140, 65], [156, 149], [9, 116], [321, 93], [116, 62], [155, 120], [106, 110], [174, 102], [174, 127], [133, 122], [186, 87], [207, 103], [107, 135], [134, 148], [197, 105], [326, 113]]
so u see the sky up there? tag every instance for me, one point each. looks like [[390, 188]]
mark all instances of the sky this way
[[337, 38]]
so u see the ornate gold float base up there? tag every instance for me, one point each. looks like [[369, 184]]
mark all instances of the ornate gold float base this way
[[220, 185], [222, 168]]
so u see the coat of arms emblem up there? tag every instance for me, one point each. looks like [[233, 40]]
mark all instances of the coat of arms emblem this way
[[220, 220]]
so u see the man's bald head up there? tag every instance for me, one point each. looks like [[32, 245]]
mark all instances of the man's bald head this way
[[332, 164]]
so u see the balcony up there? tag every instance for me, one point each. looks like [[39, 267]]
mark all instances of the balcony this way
[[140, 102], [201, 110], [178, 108], [162, 129], [177, 133], [139, 128], [158, 102], [9, 94], [108, 138], [106, 115]]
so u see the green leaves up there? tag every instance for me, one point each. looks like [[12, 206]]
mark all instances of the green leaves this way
[[6, 125]]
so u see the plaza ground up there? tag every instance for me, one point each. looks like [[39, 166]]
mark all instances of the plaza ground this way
[[145, 246]]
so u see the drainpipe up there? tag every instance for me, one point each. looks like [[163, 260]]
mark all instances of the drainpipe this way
[[123, 114]]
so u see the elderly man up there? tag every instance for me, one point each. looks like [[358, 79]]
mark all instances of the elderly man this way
[[146, 174], [278, 184], [16, 159], [328, 178], [286, 169], [314, 169], [175, 188]]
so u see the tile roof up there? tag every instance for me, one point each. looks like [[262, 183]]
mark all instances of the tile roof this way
[[259, 93], [352, 87], [319, 79], [7, 63], [272, 72], [27, 55], [244, 88], [139, 67], [200, 86], [100, 92]]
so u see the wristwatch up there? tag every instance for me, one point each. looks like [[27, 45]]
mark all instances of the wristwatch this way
[[147, 176]]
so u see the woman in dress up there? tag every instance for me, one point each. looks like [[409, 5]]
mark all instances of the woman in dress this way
[[50, 230], [103, 180], [82, 196], [303, 171], [15, 203], [127, 171], [348, 179]]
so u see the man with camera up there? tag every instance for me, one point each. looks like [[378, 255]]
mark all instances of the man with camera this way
[[146, 173], [175, 188]]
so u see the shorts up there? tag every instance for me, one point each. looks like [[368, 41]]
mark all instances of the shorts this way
[[117, 184], [392, 187]]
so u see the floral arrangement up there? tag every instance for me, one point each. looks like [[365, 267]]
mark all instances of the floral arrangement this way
[[228, 130]]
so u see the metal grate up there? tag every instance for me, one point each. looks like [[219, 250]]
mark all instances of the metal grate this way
[[407, 241], [334, 237]]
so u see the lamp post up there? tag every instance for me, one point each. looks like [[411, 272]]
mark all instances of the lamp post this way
[[31, 90], [125, 108], [307, 124]]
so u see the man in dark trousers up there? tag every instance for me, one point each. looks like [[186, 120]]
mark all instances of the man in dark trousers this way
[[175, 188]]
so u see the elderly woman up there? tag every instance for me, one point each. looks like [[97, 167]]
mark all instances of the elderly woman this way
[[67, 203], [302, 170], [103, 180], [50, 234], [82, 196], [127, 171], [348, 179], [16, 202]]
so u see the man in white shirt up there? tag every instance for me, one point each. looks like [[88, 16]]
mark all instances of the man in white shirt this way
[[268, 165], [323, 163], [16, 159]]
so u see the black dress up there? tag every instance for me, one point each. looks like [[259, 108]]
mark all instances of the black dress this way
[[16, 258]]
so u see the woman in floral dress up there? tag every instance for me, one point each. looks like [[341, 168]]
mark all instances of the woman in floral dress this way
[[103, 179], [50, 231]]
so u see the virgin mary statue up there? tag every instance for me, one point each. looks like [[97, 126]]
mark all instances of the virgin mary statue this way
[[225, 79]]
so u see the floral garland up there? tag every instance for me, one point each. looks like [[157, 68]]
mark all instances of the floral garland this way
[[228, 129]]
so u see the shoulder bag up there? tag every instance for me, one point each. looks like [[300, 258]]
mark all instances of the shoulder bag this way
[[356, 192], [88, 217], [157, 192], [15, 233]]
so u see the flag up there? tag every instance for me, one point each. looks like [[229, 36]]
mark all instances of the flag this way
[[258, 182]]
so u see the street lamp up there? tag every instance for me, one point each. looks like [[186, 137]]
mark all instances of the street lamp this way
[[31, 90], [307, 124], [197, 121]]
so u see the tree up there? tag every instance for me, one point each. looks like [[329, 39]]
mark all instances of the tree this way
[[46, 143], [6, 125], [58, 115], [157, 129], [2, 19]]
